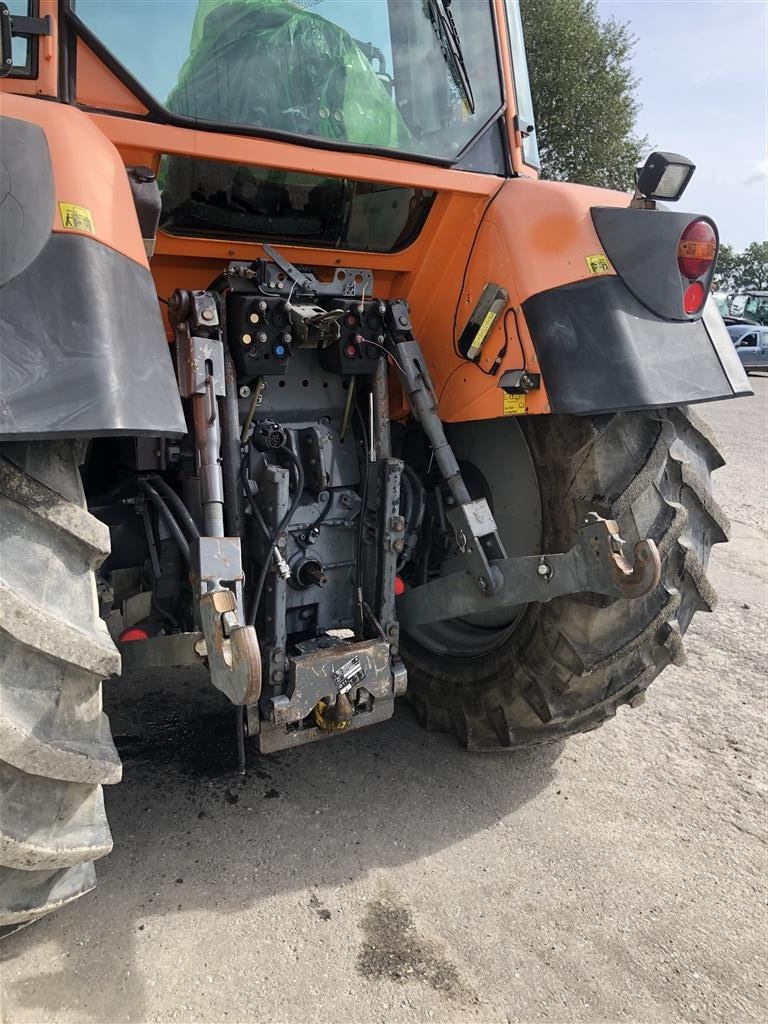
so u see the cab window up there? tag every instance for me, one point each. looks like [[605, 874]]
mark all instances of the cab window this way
[[416, 76]]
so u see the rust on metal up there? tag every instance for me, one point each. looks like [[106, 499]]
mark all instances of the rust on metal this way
[[234, 658], [640, 578]]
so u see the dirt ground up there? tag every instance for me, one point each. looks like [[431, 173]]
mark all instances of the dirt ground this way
[[388, 876]]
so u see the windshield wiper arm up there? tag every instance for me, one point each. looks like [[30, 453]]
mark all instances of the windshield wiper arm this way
[[448, 37]]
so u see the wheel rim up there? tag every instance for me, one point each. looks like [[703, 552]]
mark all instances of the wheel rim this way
[[496, 465]]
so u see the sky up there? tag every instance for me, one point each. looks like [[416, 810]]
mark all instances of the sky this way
[[703, 70]]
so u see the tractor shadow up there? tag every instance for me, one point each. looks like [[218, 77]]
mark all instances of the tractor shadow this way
[[189, 835]]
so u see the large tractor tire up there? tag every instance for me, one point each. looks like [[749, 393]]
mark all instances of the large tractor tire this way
[[56, 749], [550, 670]]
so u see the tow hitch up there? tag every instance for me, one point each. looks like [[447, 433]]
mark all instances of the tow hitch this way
[[595, 564]]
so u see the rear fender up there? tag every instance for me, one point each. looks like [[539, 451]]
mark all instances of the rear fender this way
[[83, 351], [594, 309]]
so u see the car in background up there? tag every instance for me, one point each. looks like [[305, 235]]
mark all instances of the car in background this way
[[751, 344]]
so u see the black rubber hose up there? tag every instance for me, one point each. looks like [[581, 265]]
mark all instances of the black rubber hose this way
[[181, 510], [258, 589], [165, 512], [413, 514], [324, 514]]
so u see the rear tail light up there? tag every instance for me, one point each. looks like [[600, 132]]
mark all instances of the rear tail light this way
[[132, 633], [693, 298], [696, 250]]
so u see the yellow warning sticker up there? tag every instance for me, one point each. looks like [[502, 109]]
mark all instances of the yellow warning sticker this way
[[76, 218], [485, 326], [514, 405], [598, 264]]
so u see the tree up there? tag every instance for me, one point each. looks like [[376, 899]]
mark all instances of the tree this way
[[751, 271], [745, 271], [583, 93], [727, 267]]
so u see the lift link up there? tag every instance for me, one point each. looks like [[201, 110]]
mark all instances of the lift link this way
[[595, 564], [475, 531], [232, 648]]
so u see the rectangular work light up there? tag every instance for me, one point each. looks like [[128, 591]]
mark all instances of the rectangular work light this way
[[664, 176]]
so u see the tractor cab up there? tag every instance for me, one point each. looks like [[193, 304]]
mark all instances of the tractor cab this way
[[751, 308]]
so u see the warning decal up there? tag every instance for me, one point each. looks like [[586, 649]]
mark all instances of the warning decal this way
[[514, 405], [76, 218], [485, 326], [598, 264]]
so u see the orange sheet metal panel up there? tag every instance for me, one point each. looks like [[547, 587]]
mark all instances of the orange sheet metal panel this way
[[536, 235], [93, 197], [98, 87]]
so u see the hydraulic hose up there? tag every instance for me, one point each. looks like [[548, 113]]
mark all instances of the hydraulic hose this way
[[167, 515], [414, 507], [181, 510]]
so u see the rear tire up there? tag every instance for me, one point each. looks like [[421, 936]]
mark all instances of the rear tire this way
[[56, 749], [572, 662]]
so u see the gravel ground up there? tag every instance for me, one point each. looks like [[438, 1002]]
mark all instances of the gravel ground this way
[[389, 876]]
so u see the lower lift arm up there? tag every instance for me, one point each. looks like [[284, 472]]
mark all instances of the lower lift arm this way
[[594, 565]]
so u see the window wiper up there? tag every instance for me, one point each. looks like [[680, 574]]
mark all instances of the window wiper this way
[[448, 37]]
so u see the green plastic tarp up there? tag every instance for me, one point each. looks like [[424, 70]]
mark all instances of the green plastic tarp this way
[[270, 64]]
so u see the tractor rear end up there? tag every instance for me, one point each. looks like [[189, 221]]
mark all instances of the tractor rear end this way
[[361, 407]]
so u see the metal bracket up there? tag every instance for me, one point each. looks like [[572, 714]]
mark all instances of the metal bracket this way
[[347, 281], [199, 364], [595, 564], [23, 25], [478, 541], [519, 382]]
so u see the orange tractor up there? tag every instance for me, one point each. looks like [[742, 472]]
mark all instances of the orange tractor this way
[[308, 380]]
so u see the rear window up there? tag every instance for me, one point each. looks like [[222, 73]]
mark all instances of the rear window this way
[[251, 203]]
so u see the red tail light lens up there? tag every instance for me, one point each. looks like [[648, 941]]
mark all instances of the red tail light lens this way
[[694, 296], [697, 249], [132, 633]]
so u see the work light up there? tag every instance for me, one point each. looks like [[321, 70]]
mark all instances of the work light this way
[[664, 176]]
